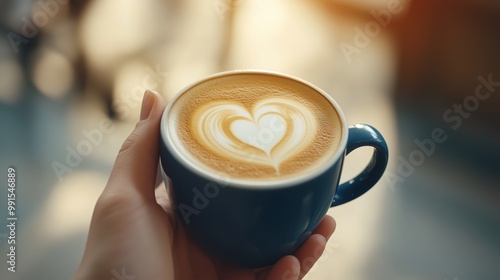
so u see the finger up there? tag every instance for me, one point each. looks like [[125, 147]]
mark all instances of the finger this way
[[326, 227], [287, 268], [314, 246], [136, 165], [310, 252]]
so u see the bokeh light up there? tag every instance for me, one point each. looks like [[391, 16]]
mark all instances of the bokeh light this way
[[52, 73]]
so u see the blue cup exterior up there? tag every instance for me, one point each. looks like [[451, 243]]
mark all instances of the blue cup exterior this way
[[255, 226], [248, 227]]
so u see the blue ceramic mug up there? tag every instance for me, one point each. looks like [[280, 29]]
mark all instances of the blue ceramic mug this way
[[255, 223]]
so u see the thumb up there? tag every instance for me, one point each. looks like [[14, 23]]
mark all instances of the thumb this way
[[135, 167]]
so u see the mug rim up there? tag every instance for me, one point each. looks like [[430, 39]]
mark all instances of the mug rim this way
[[225, 179]]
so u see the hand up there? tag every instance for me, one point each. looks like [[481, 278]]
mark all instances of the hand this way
[[135, 234]]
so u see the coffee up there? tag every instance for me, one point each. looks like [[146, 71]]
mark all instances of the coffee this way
[[254, 126]]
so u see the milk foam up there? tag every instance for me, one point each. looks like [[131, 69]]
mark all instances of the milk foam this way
[[254, 126]]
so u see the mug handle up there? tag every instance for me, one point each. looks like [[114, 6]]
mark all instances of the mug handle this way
[[363, 135]]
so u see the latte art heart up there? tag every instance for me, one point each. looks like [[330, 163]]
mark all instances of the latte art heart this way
[[262, 133], [274, 130]]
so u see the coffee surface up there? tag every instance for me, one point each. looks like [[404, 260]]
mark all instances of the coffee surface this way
[[254, 126]]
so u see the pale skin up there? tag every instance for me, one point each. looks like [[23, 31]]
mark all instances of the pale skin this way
[[135, 233]]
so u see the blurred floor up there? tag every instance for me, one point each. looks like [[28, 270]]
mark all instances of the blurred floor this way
[[434, 225]]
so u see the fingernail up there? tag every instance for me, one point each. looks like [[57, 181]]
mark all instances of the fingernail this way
[[147, 104]]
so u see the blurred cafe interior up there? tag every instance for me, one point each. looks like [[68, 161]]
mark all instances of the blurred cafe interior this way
[[413, 69]]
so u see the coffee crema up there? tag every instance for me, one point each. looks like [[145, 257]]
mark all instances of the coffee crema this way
[[254, 126]]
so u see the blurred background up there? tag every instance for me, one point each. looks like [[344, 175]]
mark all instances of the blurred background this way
[[425, 73]]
